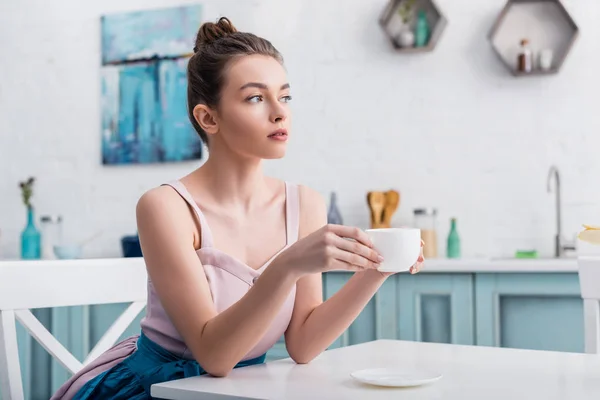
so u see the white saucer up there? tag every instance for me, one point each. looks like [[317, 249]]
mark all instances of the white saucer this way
[[394, 377]]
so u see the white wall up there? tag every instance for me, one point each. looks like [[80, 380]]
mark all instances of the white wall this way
[[450, 129]]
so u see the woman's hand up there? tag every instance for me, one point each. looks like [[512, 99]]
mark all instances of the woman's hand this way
[[329, 249]]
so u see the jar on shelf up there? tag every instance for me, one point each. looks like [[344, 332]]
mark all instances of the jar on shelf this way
[[51, 234], [425, 220]]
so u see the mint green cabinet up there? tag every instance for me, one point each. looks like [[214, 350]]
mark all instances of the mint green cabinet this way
[[423, 307], [436, 308], [538, 311]]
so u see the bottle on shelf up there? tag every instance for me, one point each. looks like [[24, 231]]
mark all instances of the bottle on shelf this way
[[525, 59], [453, 242], [422, 30]]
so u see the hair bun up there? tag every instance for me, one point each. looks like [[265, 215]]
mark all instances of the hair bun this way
[[209, 32]]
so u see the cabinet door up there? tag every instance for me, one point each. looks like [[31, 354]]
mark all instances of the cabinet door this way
[[422, 307], [434, 308], [539, 311]]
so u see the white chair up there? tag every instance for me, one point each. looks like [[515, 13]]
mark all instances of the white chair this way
[[589, 281], [26, 285]]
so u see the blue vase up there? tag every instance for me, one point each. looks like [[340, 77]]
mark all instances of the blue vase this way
[[334, 216], [31, 239]]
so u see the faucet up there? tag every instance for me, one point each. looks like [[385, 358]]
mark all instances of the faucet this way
[[559, 247]]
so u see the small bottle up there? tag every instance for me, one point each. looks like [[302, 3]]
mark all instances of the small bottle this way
[[525, 59], [421, 30], [333, 215], [453, 245]]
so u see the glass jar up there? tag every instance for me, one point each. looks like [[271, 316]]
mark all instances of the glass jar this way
[[51, 234], [425, 220]]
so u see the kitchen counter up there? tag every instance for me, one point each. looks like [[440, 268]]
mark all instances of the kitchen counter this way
[[500, 265], [438, 265]]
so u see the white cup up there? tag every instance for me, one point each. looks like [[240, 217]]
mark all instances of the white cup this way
[[400, 247]]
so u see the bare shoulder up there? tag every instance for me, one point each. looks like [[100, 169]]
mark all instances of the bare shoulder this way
[[310, 199], [313, 212], [163, 208], [161, 199]]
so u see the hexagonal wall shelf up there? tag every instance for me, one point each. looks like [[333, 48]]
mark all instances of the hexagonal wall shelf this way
[[545, 26], [403, 22]]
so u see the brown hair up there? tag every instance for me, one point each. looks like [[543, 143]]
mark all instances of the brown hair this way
[[216, 45]]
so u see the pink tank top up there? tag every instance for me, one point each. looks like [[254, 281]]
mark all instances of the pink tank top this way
[[229, 279]]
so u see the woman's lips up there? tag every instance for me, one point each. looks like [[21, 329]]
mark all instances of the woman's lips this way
[[279, 135]]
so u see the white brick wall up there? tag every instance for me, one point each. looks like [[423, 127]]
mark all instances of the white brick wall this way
[[449, 129]]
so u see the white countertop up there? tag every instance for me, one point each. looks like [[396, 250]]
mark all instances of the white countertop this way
[[501, 265], [468, 372], [439, 265]]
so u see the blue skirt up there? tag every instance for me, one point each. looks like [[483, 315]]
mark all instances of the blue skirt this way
[[149, 364]]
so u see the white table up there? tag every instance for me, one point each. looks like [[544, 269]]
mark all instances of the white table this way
[[469, 372]]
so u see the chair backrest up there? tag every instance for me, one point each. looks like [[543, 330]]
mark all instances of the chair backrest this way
[[56, 283], [589, 281]]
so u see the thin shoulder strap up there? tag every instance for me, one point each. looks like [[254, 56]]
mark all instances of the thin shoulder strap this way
[[206, 239], [292, 212]]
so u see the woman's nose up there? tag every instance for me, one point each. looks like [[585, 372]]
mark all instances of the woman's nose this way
[[279, 114]]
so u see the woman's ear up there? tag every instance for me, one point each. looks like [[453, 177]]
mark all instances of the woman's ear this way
[[206, 118]]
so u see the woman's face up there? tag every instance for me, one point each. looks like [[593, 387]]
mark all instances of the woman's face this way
[[253, 116]]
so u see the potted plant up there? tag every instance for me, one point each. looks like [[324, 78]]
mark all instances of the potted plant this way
[[30, 237], [406, 37]]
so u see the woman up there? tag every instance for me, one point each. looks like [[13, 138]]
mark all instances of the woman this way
[[234, 257]]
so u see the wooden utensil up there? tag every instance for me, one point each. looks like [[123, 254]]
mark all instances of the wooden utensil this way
[[392, 200], [376, 201]]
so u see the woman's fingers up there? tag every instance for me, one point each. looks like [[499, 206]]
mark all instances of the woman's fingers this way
[[353, 259], [417, 267], [340, 265], [359, 249]]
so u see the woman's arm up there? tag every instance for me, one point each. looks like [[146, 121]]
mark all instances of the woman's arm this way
[[316, 324], [217, 341]]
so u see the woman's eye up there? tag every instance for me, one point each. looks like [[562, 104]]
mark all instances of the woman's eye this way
[[254, 99], [286, 99]]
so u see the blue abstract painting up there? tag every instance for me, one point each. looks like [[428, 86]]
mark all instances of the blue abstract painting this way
[[144, 86]]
